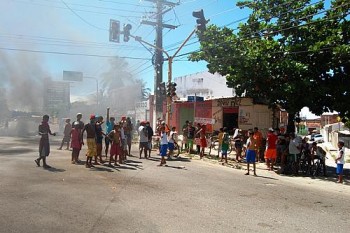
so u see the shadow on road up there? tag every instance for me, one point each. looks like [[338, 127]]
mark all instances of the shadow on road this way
[[53, 169], [101, 169], [15, 151], [266, 177], [175, 167]]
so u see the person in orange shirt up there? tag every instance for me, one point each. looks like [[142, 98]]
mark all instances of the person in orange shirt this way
[[258, 139]]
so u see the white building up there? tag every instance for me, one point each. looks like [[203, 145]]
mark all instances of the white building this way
[[202, 84]]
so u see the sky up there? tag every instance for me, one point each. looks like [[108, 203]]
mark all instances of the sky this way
[[47, 37], [72, 35]]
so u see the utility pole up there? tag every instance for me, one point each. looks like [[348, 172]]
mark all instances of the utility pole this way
[[158, 56]]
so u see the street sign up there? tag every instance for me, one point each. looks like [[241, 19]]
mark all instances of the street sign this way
[[74, 76], [193, 98], [202, 120]]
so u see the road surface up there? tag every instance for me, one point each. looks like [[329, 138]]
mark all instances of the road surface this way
[[189, 195]]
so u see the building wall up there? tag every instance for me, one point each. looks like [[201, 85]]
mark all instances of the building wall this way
[[202, 84], [216, 114]]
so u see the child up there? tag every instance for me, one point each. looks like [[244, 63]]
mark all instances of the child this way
[[163, 145], [66, 134], [115, 137], [251, 154], [44, 145], [225, 144], [171, 142], [340, 160]]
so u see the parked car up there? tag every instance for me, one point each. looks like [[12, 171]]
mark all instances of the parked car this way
[[317, 138]]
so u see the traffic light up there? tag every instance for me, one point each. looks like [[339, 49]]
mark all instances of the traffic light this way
[[114, 31], [171, 89], [161, 89], [201, 21], [126, 32], [168, 89]]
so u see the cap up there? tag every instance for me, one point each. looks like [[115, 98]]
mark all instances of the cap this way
[[123, 117], [271, 129], [92, 116], [79, 114]]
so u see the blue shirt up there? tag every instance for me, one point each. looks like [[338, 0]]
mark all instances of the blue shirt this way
[[109, 126]]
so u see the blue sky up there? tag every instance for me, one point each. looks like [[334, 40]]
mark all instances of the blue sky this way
[[73, 35]]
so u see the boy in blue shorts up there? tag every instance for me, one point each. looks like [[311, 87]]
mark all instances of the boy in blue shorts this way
[[163, 145], [340, 160], [251, 152]]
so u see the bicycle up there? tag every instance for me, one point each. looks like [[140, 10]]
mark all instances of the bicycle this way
[[213, 143], [319, 166]]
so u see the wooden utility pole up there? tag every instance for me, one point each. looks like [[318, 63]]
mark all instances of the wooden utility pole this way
[[158, 56]]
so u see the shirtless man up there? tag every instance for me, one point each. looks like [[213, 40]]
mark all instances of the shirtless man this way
[[90, 140]]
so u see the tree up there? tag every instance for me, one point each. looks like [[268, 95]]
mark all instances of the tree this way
[[284, 54]]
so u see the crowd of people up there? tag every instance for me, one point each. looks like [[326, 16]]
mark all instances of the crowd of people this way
[[283, 148], [117, 138]]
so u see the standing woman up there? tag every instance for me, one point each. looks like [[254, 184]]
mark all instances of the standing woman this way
[[44, 145], [75, 143]]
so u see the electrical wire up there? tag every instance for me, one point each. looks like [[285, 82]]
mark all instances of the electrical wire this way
[[73, 54]]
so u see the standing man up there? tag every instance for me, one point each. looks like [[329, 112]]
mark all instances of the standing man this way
[[271, 152], [44, 144], [128, 133], [190, 136], [90, 140], [143, 142], [75, 144], [150, 137], [99, 139], [203, 140], [294, 152], [109, 127], [251, 152], [79, 126], [185, 134], [66, 134]]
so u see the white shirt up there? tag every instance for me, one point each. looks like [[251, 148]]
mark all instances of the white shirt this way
[[163, 139], [143, 134], [341, 152], [293, 146], [171, 136]]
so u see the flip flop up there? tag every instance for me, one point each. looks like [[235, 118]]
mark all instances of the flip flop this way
[[37, 162]]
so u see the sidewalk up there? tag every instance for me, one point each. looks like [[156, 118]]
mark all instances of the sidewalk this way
[[232, 163]]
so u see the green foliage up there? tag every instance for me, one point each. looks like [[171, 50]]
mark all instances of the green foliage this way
[[290, 53]]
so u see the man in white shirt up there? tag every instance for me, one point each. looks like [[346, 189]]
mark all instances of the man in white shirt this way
[[294, 151], [143, 136]]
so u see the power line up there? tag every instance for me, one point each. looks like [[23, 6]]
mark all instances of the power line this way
[[72, 54], [85, 21]]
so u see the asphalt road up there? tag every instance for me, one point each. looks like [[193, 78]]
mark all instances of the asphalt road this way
[[187, 196]]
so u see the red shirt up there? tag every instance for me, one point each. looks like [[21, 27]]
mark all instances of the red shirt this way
[[271, 140]]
